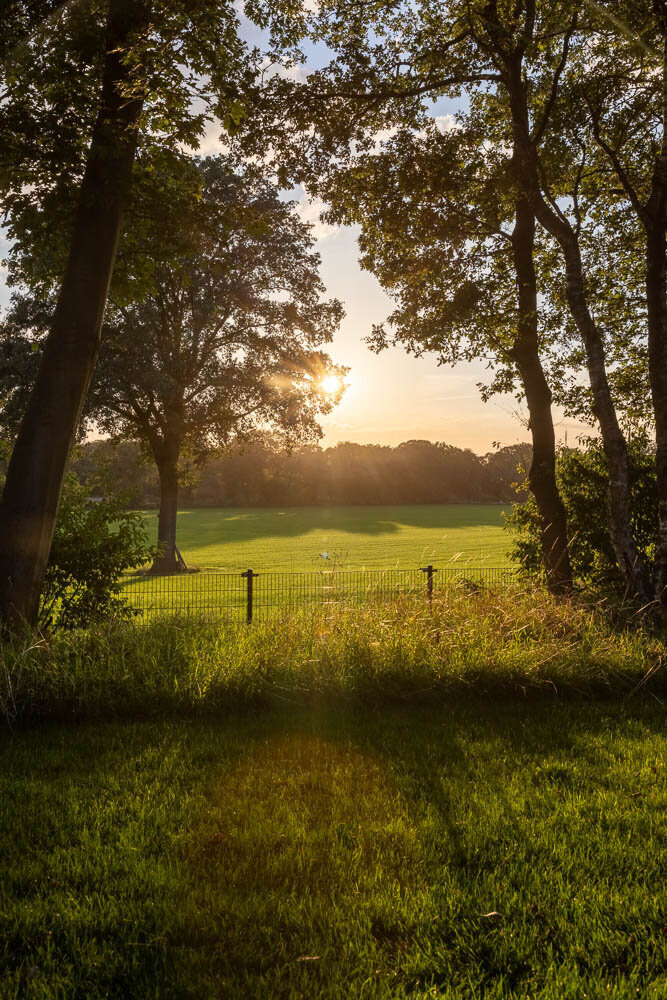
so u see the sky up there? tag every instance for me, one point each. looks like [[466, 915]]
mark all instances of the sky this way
[[392, 397]]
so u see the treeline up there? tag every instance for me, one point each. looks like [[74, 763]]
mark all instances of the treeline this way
[[265, 475]]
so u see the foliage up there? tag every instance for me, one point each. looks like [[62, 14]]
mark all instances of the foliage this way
[[123, 463], [95, 541], [488, 644], [263, 473], [434, 194], [582, 477], [22, 329], [214, 328], [216, 320], [228, 337], [188, 63]]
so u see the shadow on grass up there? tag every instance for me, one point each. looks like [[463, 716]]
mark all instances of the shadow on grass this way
[[331, 853], [240, 525]]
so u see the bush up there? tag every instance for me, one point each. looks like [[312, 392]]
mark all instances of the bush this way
[[95, 542], [583, 482]]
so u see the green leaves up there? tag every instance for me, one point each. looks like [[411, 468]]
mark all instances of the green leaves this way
[[218, 326], [236, 113], [95, 542], [190, 66], [583, 477]]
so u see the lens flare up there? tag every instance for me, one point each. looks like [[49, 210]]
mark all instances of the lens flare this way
[[331, 384]]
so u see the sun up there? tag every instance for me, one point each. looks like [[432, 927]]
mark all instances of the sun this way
[[331, 384]]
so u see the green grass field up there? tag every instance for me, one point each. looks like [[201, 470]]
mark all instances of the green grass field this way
[[501, 852], [293, 538], [464, 800]]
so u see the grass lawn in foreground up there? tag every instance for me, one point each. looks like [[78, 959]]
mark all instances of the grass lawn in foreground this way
[[477, 850], [293, 538]]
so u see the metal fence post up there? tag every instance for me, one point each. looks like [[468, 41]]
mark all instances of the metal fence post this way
[[249, 577], [219, 593], [429, 580]]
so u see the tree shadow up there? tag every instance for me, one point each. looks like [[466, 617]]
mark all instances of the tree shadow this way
[[248, 850], [251, 524], [218, 536]]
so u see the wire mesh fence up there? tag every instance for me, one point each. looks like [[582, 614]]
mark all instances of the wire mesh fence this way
[[252, 596]]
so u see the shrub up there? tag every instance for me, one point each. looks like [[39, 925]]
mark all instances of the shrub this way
[[95, 542], [583, 482]]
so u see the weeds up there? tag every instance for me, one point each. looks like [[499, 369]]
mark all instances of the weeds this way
[[484, 645]]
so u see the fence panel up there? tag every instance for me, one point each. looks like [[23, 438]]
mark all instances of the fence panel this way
[[252, 596]]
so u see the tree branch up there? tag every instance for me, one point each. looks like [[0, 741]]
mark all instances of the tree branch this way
[[539, 132], [425, 88], [614, 158]]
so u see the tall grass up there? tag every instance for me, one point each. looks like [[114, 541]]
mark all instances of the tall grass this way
[[466, 645]]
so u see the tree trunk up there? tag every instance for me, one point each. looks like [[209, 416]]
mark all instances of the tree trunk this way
[[657, 353], [656, 307], [627, 554], [526, 164], [525, 352], [166, 561], [36, 469]]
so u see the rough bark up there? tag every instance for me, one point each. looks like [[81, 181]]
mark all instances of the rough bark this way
[[525, 352], [166, 561], [526, 161], [35, 474], [656, 306], [657, 354]]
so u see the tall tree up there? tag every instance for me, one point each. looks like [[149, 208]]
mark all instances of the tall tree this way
[[227, 341], [619, 84], [392, 61], [437, 212], [81, 87], [454, 243], [508, 38]]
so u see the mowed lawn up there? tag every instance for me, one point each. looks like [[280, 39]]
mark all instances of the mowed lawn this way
[[294, 538], [477, 851]]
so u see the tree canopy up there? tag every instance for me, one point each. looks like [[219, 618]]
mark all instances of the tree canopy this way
[[83, 87], [224, 338]]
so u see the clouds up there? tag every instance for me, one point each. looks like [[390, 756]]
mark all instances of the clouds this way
[[310, 210], [446, 123], [296, 71], [211, 142]]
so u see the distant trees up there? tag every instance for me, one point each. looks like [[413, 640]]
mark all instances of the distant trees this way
[[263, 473]]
